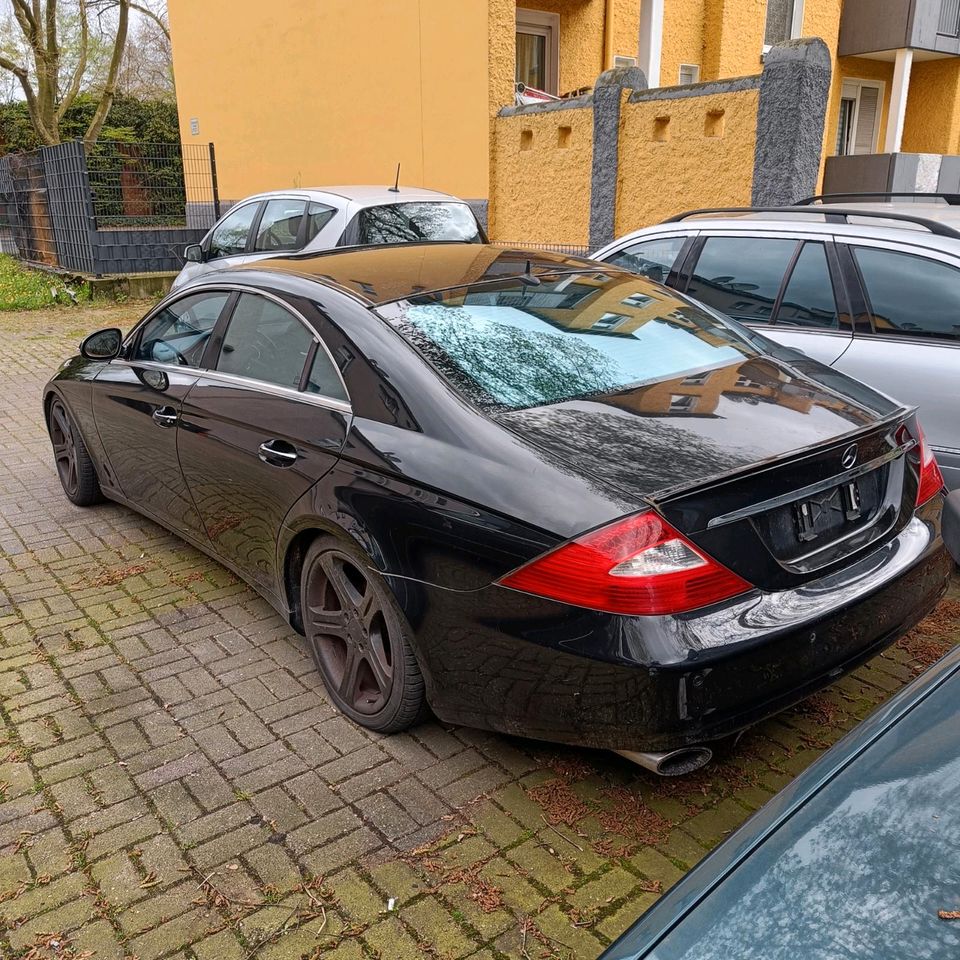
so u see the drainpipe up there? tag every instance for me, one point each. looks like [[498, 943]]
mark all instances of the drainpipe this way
[[608, 34]]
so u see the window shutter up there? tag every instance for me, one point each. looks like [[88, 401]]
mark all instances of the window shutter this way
[[866, 120]]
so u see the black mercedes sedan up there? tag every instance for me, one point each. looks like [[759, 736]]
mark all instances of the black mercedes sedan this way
[[536, 493]]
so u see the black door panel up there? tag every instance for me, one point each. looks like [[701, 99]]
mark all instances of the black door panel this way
[[136, 408], [242, 492]]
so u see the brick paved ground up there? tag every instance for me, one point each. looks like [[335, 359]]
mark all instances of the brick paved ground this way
[[173, 782]]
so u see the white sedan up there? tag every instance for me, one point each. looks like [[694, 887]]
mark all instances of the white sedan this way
[[308, 221]]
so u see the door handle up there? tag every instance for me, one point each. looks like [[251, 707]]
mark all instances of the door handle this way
[[165, 416], [278, 453]]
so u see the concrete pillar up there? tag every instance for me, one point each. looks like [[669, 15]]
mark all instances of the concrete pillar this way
[[794, 87], [607, 95], [897, 111]]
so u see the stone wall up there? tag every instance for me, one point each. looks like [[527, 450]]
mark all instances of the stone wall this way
[[585, 170]]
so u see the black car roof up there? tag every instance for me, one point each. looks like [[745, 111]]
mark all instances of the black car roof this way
[[387, 272]]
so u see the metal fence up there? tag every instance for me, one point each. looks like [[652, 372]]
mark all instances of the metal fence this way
[[121, 208]]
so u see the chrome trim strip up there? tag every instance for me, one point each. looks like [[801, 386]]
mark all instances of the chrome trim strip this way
[[810, 490], [257, 385], [200, 287]]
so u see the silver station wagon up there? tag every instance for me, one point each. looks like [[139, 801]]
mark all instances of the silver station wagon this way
[[869, 285]]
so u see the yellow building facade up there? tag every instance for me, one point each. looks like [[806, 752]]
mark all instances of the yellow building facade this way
[[320, 92]]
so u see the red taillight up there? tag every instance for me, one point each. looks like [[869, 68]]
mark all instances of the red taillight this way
[[931, 479], [639, 566]]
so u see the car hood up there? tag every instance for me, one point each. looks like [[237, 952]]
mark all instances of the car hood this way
[[670, 435], [855, 859]]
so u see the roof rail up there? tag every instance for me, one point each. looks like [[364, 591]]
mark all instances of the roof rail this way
[[834, 214], [953, 199]]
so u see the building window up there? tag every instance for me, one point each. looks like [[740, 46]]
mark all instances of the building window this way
[[681, 403], [621, 61], [859, 123], [689, 73], [538, 50], [784, 21], [609, 321]]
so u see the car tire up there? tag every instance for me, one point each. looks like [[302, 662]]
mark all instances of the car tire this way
[[78, 476], [359, 639]]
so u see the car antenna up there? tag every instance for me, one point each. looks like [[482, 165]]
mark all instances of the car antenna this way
[[396, 185], [528, 278]]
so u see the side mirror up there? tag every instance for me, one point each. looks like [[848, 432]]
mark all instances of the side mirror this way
[[102, 345], [193, 253]]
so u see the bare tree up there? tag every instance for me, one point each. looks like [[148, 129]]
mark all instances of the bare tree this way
[[147, 68], [50, 75]]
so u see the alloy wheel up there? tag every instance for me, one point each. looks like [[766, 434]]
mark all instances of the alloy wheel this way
[[345, 623], [64, 448]]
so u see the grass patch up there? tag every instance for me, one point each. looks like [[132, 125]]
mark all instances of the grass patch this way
[[24, 289]]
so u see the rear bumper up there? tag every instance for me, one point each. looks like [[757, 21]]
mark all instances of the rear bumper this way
[[521, 665]]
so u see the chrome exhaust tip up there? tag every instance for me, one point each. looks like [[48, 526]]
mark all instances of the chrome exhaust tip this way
[[673, 763]]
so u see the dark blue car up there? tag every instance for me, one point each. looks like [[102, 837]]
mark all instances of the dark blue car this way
[[858, 859]]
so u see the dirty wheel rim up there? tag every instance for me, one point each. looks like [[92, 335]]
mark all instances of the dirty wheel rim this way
[[64, 448], [349, 633]]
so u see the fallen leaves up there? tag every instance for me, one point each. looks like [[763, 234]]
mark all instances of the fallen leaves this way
[[560, 804]]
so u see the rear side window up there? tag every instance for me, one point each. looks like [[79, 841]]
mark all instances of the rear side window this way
[[264, 341], [279, 227], [808, 300], [741, 276], [511, 345], [416, 222], [650, 258], [318, 216], [910, 295], [323, 378], [230, 238]]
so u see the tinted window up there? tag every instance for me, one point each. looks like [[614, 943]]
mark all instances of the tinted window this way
[[910, 295], [412, 222], [808, 300], [323, 378], [318, 216], [280, 225], [652, 258], [179, 333], [516, 346], [741, 276], [230, 238], [266, 342]]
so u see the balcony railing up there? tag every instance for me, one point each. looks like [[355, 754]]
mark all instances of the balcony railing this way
[[949, 25]]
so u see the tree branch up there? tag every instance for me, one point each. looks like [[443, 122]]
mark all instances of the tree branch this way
[[25, 18], [110, 88], [155, 17], [33, 108], [81, 67]]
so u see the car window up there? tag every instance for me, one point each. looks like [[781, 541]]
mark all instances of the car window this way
[[741, 276], [323, 378], [230, 237], [318, 216], [264, 341], [179, 333], [279, 227], [910, 295], [651, 258], [510, 345], [808, 300], [414, 222]]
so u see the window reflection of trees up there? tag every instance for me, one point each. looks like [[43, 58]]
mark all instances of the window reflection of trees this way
[[858, 878]]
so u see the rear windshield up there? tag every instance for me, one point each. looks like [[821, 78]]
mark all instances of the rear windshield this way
[[414, 222], [514, 345]]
